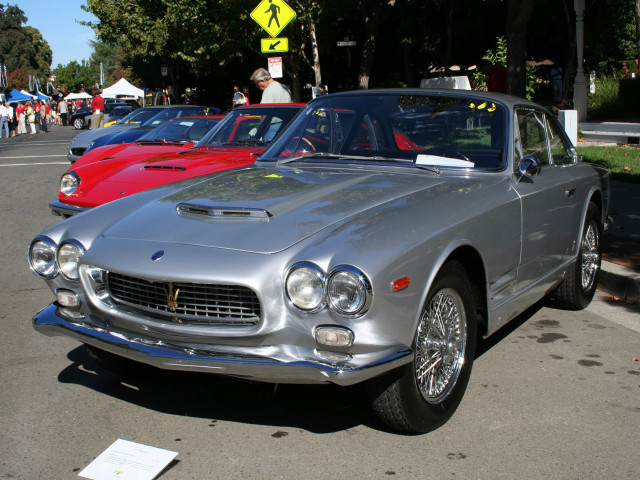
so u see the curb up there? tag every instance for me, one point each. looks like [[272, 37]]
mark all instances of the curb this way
[[619, 281]]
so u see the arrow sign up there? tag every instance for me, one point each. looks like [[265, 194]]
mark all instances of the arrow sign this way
[[274, 45]]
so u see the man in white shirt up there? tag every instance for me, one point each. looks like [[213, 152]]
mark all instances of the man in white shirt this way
[[4, 119], [272, 91]]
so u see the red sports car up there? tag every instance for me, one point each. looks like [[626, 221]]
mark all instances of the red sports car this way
[[114, 171]]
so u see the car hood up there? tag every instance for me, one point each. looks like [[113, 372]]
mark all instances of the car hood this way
[[127, 172], [84, 138], [263, 209]]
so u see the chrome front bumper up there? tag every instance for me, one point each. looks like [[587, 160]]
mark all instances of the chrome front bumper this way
[[65, 210], [272, 364]]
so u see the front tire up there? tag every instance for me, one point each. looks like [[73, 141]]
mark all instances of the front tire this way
[[578, 288], [423, 395], [78, 123]]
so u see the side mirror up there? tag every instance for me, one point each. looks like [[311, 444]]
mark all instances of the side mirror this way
[[529, 167]]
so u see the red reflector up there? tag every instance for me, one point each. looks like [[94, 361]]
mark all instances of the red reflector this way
[[401, 284]]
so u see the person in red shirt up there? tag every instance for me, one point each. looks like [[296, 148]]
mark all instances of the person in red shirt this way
[[497, 76], [97, 105]]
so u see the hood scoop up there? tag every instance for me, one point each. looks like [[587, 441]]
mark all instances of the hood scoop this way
[[163, 167], [251, 214]]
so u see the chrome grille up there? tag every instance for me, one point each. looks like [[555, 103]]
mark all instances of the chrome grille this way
[[194, 303]]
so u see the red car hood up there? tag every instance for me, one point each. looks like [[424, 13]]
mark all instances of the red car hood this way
[[119, 176]]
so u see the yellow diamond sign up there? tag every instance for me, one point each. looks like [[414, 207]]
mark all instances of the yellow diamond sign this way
[[273, 15]]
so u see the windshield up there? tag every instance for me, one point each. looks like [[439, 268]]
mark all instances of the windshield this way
[[250, 126], [186, 129], [424, 129], [139, 116], [176, 112]]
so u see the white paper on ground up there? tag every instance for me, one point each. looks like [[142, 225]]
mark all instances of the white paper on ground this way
[[125, 460]]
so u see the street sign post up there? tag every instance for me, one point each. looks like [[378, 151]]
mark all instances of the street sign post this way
[[274, 45], [273, 15]]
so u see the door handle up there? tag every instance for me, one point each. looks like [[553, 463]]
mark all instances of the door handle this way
[[571, 192]]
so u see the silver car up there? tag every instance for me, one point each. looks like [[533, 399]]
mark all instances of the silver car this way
[[376, 240]]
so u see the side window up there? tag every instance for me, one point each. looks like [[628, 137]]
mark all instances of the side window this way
[[532, 135], [561, 153]]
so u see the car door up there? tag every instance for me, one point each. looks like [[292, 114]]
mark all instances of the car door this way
[[549, 211]]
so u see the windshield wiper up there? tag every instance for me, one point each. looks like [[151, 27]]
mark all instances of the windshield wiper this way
[[337, 156], [163, 141], [246, 142]]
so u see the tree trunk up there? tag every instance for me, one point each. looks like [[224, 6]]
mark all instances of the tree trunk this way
[[371, 20], [637, 12], [315, 52], [518, 13]]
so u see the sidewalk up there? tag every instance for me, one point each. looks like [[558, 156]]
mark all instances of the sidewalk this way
[[620, 275]]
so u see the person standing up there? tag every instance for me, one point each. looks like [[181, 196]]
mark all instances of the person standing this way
[[245, 91], [11, 118], [556, 82], [4, 119], [63, 110], [30, 118], [272, 91], [20, 118], [41, 117], [97, 105]]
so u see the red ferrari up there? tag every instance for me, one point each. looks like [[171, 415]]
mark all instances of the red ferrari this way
[[114, 171]]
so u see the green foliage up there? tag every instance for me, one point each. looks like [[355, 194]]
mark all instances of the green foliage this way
[[622, 161], [615, 97], [499, 57], [74, 77], [22, 46]]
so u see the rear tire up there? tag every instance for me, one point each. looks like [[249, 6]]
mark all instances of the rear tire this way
[[578, 288], [78, 123], [423, 395]]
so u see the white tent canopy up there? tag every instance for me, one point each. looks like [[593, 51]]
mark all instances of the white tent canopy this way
[[122, 88], [77, 96]]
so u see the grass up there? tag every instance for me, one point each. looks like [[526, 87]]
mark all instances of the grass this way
[[614, 97], [622, 161]]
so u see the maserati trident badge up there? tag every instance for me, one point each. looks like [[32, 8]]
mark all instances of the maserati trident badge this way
[[172, 297]]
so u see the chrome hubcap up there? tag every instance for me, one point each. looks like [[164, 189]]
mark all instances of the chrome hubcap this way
[[590, 256], [440, 345]]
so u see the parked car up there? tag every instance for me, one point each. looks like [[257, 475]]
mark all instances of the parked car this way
[[118, 112], [81, 118], [376, 240], [79, 143], [141, 117], [113, 171], [131, 135]]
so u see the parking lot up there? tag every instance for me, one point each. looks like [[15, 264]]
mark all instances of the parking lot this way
[[555, 396]]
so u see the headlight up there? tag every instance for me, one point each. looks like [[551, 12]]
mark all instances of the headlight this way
[[348, 290], [69, 183], [305, 286], [69, 254], [42, 257]]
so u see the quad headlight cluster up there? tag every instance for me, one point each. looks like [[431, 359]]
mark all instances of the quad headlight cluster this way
[[345, 289], [47, 259]]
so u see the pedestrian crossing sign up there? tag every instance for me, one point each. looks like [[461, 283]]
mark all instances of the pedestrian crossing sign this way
[[273, 15]]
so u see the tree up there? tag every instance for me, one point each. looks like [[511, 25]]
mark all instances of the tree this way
[[371, 11], [518, 13], [74, 77], [22, 47]]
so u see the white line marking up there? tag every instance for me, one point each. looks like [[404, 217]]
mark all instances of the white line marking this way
[[28, 164], [33, 156]]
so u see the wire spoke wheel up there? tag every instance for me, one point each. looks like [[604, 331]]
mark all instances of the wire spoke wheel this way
[[440, 345], [590, 256]]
